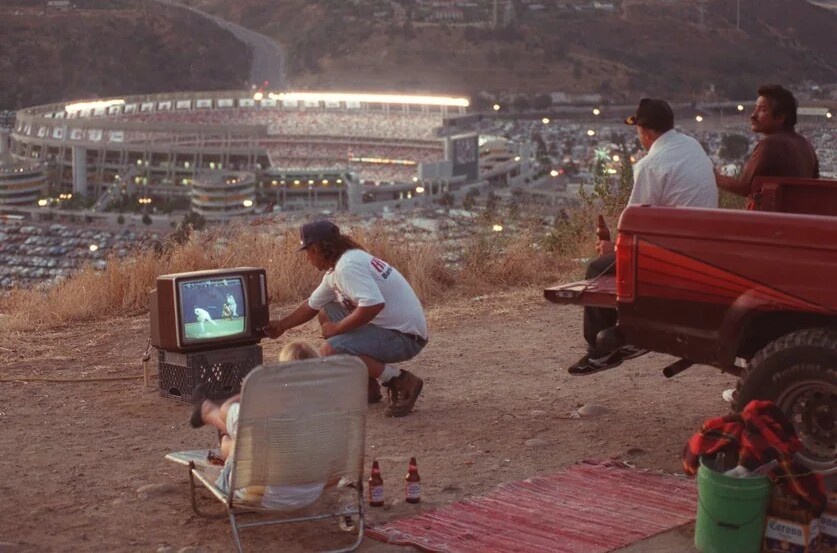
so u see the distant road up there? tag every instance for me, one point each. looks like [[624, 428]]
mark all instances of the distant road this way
[[268, 59]]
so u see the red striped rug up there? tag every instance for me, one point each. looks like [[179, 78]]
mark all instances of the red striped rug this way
[[586, 508]]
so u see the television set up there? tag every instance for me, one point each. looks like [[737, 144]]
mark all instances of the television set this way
[[206, 310]]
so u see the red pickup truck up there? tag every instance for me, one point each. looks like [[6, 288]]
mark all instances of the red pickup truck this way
[[753, 293]]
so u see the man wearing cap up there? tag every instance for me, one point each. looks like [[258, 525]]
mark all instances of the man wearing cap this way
[[781, 153], [675, 172], [365, 308]]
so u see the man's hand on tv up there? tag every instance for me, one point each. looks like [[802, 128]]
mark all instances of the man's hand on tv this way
[[273, 329]]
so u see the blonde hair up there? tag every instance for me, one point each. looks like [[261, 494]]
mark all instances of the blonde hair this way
[[298, 349]]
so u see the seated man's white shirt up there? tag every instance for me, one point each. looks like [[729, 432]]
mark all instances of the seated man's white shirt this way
[[676, 172], [361, 280]]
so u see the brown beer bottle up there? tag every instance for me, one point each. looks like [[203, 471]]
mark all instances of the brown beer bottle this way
[[602, 231], [413, 483], [376, 487]]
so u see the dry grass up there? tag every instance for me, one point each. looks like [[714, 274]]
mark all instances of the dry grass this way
[[490, 262]]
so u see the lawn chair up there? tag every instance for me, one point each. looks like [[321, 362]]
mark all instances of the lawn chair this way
[[300, 423]]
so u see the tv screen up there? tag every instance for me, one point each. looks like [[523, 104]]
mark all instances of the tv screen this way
[[212, 308], [204, 310]]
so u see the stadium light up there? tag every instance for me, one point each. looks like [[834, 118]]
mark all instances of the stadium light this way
[[545, 120], [553, 173], [699, 118], [98, 104], [517, 158], [247, 203], [496, 107], [258, 95], [596, 111], [42, 203], [740, 107], [419, 190], [591, 132], [93, 247], [373, 98], [497, 228], [615, 157], [828, 114]]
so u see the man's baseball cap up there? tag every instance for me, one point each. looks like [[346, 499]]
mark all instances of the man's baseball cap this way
[[316, 231], [652, 113]]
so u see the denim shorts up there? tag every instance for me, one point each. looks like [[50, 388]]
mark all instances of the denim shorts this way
[[382, 344]]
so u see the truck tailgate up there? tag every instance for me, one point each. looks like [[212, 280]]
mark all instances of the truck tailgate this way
[[596, 292]]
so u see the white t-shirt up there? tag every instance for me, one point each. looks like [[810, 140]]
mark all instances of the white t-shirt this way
[[675, 173], [361, 280]]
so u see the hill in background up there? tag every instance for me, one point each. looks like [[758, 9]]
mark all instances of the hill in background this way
[[670, 47], [681, 49], [105, 47]]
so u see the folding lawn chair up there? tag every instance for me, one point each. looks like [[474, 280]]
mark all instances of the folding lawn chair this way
[[301, 424]]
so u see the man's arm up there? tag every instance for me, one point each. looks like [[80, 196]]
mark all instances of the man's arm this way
[[755, 166], [356, 319], [732, 184], [300, 315]]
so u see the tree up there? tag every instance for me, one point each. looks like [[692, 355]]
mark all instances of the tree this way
[[734, 147], [491, 203], [470, 199], [446, 200]]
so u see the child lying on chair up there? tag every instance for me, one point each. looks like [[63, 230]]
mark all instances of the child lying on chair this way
[[224, 417]]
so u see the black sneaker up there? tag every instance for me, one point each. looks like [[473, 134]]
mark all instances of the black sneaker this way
[[590, 365]]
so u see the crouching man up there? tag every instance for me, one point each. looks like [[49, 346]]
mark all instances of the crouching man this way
[[365, 308]]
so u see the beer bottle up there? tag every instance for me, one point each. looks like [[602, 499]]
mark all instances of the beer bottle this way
[[376, 487], [602, 231], [413, 483]]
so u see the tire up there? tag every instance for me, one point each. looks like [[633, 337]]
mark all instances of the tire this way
[[798, 372]]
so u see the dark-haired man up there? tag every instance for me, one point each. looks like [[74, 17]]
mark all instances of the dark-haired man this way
[[781, 153], [366, 308], [675, 172]]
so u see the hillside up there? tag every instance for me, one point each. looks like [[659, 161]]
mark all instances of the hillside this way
[[497, 406], [660, 47], [107, 47]]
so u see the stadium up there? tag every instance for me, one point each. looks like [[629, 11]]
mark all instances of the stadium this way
[[235, 153]]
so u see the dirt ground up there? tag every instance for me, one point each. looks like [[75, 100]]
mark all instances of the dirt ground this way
[[83, 466]]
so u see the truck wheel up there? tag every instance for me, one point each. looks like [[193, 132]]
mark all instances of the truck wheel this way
[[798, 372]]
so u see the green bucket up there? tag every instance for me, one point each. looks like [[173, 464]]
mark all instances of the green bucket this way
[[731, 511]]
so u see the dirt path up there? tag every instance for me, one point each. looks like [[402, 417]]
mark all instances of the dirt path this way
[[76, 454]]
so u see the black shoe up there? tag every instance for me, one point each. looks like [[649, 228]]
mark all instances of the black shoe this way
[[631, 352], [593, 363]]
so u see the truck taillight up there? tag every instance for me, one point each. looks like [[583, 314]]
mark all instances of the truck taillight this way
[[625, 268]]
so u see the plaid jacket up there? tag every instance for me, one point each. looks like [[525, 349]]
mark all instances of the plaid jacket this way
[[758, 435]]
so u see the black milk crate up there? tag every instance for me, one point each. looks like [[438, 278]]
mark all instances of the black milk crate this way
[[221, 370]]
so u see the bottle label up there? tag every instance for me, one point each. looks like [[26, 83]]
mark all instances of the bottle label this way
[[376, 494], [413, 490]]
